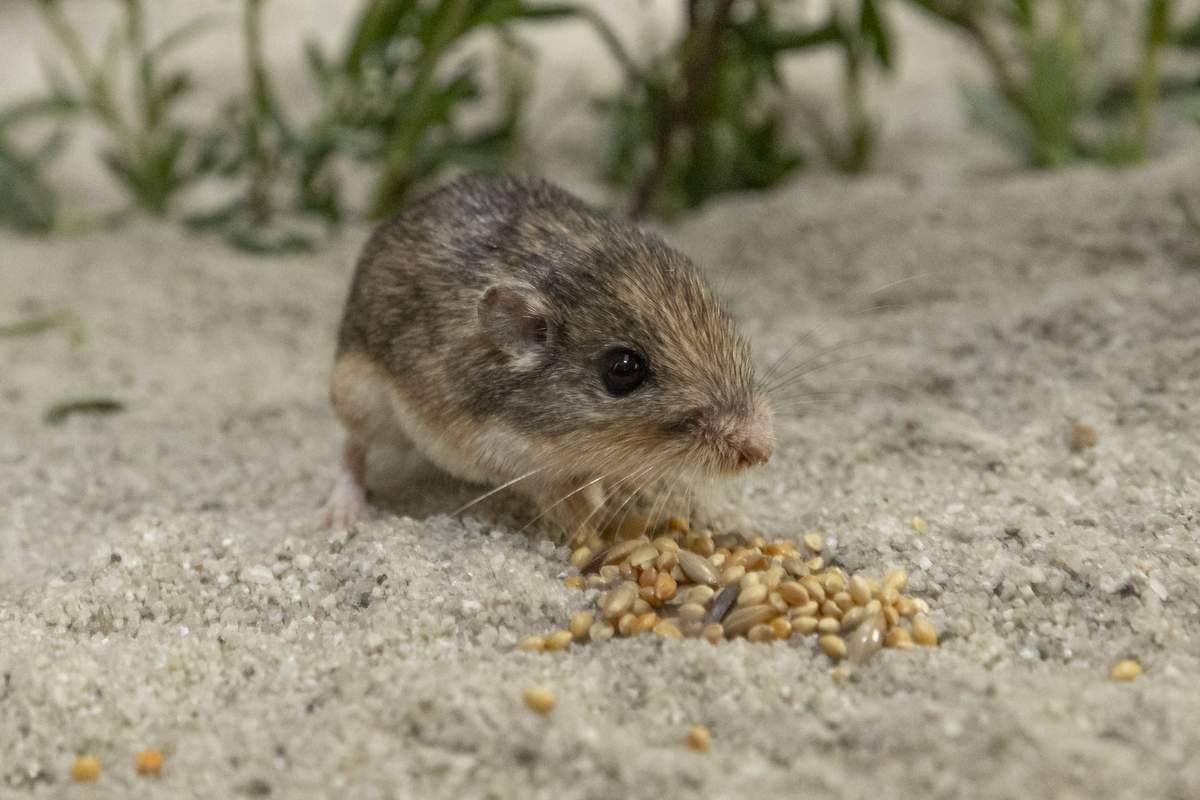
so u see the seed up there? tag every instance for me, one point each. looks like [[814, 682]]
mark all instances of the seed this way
[[532, 644], [896, 579], [752, 596], [1083, 436], [924, 633], [773, 576], [1125, 671], [581, 623], [905, 606], [760, 633], [559, 640], [834, 646], [633, 526], [601, 631], [721, 605], [581, 557], [781, 628], [665, 587], [539, 699], [898, 637], [678, 525], [860, 590], [667, 560], [148, 762], [750, 579], [640, 606], [714, 632], [793, 593], [795, 567], [667, 630], [805, 625], [815, 564], [618, 601], [697, 568], [643, 556], [732, 575], [892, 616], [776, 599], [743, 619], [704, 546], [699, 739], [853, 618], [664, 543], [919, 525], [648, 577], [814, 588], [888, 596], [809, 609], [778, 548], [573, 582], [85, 769], [689, 612], [814, 542], [833, 583], [831, 609], [643, 623], [829, 625], [717, 559], [873, 607], [699, 594], [621, 551], [756, 561], [844, 601], [866, 640], [610, 572]]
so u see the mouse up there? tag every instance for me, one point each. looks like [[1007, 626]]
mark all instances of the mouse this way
[[515, 336]]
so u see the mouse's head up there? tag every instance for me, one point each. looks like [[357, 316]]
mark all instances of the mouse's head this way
[[619, 349]]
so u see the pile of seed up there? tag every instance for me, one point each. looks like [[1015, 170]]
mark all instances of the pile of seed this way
[[679, 584]]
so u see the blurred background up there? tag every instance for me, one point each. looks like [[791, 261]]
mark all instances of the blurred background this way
[[272, 124]]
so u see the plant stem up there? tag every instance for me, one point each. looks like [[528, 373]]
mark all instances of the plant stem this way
[[1157, 34]]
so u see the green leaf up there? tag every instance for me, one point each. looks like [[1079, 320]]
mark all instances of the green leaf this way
[[875, 30], [183, 34], [33, 326], [59, 412]]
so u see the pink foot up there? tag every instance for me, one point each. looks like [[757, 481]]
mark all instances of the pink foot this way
[[347, 502]]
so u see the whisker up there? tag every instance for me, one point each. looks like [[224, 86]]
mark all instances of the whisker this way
[[615, 488], [563, 499], [790, 374], [499, 488]]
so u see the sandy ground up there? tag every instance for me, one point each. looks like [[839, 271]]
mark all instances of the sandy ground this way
[[162, 582]]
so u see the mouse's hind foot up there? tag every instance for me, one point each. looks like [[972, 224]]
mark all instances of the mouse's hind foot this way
[[347, 503]]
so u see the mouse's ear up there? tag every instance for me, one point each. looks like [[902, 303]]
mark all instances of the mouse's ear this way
[[514, 316]]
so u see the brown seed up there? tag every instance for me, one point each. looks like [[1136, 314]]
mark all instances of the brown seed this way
[[752, 596], [581, 623], [665, 587], [722, 603], [148, 762], [923, 632], [1083, 436], [601, 631], [697, 568], [704, 546], [805, 625], [833, 646], [532, 644], [85, 769], [678, 525], [667, 560], [761, 633], [828, 625], [633, 526], [860, 590], [897, 637], [667, 630], [699, 594], [714, 632], [539, 699], [559, 640], [743, 619], [691, 630], [618, 601], [581, 557], [690, 612], [625, 624], [643, 623], [647, 596], [781, 628], [732, 575], [648, 577], [699, 739], [1125, 671]]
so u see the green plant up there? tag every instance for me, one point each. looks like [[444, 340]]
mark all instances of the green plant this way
[[394, 95], [27, 201], [1050, 97], [705, 116]]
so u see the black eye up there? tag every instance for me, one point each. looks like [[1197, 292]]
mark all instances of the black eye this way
[[623, 371]]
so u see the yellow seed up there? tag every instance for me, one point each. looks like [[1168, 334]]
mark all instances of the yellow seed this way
[[640, 606], [664, 543], [581, 623], [741, 620], [833, 583], [888, 596], [619, 600], [691, 612], [805, 625], [532, 644], [781, 628], [834, 646], [760, 633], [828, 625], [919, 525], [573, 582], [896, 579], [581, 557], [714, 632], [814, 542], [853, 618], [665, 587], [795, 567], [148, 762], [1126, 671], [892, 616], [844, 601], [897, 637], [905, 606], [718, 559], [85, 769], [732, 574], [539, 699], [699, 739], [633, 526], [643, 556], [793, 593], [753, 596], [625, 624], [923, 632], [647, 597], [809, 609], [704, 546], [814, 588], [860, 590], [643, 623], [773, 576], [667, 630], [815, 564], [678, 525], [601, 631], [559, 640], [749, 579], [776, 599], [699, 594], [648, 577], [831, 609]]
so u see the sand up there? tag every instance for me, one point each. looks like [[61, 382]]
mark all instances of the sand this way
[[163, 584]]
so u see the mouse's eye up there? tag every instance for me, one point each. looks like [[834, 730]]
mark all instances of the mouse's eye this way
[[624, 371]]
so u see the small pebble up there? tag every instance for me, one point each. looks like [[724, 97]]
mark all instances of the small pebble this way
[[699, 739], [85, 769], [148, 762], [1126, 671]]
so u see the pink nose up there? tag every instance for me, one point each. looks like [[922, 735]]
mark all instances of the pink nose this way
[[752, 449]]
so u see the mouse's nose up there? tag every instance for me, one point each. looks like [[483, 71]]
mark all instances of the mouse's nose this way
[[752, 447]]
